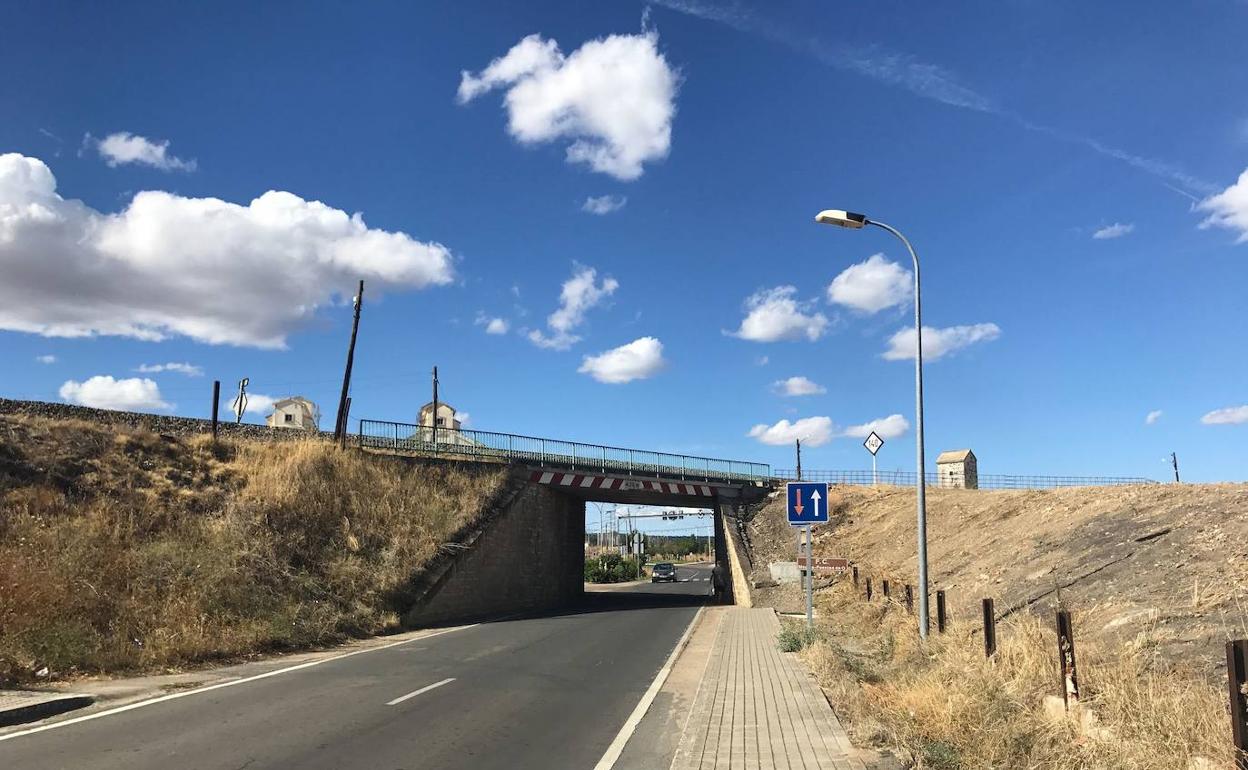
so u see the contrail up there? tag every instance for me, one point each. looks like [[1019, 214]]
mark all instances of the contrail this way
[[925, 80]]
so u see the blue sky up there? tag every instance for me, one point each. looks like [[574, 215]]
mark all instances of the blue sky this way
[[1001, 138]]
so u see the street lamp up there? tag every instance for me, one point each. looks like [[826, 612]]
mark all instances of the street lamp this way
[[854, 221]]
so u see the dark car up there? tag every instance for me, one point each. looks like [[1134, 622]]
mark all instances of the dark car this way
[[664, 571]]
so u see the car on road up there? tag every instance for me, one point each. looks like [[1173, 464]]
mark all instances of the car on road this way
[[664, 571]]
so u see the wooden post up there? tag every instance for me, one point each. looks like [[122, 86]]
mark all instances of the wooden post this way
[[1066, 659], [799, 459], [340, 423], [884, 585], [940, 612], [1237, 676], [216, 406], [909, 599], [855, 577], [868, 589], [990, 629]]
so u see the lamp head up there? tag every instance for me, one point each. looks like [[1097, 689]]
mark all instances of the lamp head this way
[[841, 218]]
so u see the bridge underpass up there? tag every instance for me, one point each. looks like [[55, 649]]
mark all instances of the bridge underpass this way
[[529, 554]]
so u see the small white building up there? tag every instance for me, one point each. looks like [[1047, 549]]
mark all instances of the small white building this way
[[449, 425], [957, 469], [295, 412], [447, 416]]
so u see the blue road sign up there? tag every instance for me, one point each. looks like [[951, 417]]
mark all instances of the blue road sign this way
[[808, 502]]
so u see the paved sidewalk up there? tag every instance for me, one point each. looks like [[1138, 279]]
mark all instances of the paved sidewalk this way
[[758, 707]]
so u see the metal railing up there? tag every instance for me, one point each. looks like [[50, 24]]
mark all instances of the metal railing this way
[[553, 453], [986, 480]]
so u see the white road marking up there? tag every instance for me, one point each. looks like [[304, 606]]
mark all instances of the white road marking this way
[[421, 691], [616, 748], [220, 685]]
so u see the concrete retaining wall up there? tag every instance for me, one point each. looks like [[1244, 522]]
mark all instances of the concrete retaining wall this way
[[530, 556], [741, 589]]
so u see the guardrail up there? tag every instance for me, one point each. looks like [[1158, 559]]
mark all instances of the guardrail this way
[[986, 480], [408, 438]]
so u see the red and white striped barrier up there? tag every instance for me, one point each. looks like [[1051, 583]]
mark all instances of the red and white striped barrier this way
[[584, 481]]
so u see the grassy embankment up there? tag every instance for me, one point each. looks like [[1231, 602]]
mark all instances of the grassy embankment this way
[[1149, 572], [123, 550]]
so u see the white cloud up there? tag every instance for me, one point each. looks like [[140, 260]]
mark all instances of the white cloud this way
[[190, 370], [1116, 230], [104, 392], [612, 98], [211, 270], [798, 386], [638, 360], [813, 431], [1153, 417], [1228, 208], [124, 147], [604, 204], [579, 294], [762, 360], [493, 325], [939, 342], [872, 286], [464, 418], [775, 314], [890, 427], [1231, 415], [48, 359]]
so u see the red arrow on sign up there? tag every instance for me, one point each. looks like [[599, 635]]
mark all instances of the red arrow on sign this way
[[797, 506]]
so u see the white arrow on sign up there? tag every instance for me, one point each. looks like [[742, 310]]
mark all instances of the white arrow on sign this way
[[816, 497]]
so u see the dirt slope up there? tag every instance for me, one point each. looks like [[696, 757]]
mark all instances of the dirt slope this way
[[1166, 564], [124, 549]]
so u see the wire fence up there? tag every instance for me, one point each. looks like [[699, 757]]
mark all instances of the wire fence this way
[[986, 481], [408, 438]]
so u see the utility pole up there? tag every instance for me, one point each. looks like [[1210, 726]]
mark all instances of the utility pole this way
[[340, 425], [799, 459], [435, 409], [1174, 460]]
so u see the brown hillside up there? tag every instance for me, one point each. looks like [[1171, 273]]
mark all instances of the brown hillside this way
[[124, 549], [1165, 566]]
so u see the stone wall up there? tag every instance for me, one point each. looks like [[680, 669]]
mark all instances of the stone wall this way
[[530, 557], [157, 423]]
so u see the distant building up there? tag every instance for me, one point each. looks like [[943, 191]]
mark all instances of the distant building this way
[[295, 412], [957, 469], [447, 416], [449, 425]]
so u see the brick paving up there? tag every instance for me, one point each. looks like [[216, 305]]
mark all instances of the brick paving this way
[[758, 708]]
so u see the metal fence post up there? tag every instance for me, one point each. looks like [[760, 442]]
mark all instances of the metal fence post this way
[[990, 628], [543, 451], [604, 459], [1066, 658], [868, 589], [940, 612], [1237, 676], [909, 599], [511, 452]]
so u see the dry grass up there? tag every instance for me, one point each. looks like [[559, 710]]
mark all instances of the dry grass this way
[[124, 550], [946, 706]]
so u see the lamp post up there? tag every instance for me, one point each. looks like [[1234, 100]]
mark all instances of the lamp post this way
[[854, 221]]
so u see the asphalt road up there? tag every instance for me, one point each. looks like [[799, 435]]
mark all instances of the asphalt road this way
[[539, 692]]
